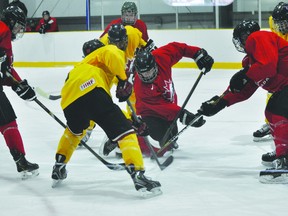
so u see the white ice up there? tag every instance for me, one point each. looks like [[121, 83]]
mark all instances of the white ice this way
[[214, 173]]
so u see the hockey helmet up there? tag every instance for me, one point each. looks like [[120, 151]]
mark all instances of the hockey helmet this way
[[15, 19], [129, 13], [146, 66], [117, 35], [90, 46], [241, 33], [280, 17]]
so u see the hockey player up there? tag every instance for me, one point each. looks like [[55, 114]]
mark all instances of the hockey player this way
[[268, 59], [86, 96], [154, 89], [47, 23], [12, 26], [278, 23], [129, 17]]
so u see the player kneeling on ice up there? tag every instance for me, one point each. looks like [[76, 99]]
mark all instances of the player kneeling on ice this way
[[265, 66], [156, 99], [86, 96]]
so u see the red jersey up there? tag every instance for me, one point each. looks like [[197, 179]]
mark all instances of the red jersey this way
[[52, 22], [139, 24], [6, 44], [268, 60], [159, 98]]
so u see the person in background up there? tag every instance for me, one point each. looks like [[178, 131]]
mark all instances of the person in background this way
[[19, 4], [31, 25], [12, 26], [47, 23], [266, 67]]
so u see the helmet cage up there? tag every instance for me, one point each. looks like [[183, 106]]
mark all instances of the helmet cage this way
[[148, 76], [281, 26]]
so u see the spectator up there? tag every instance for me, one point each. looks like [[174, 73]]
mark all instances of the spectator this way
[[47, 23], [31, 25], [19, 4]]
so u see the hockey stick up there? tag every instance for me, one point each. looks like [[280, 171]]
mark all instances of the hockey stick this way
[[46, 95], [120, 166], [197, 117], [168, 161], [182, 108]]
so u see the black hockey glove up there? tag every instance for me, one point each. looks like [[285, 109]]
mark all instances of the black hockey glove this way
[[239, 80], [212, 106], [24, 91], [150, 46], [140, 126], [203, 60], [186, 117], [123, 90]]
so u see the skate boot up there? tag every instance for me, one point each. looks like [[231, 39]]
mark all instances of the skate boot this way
[[263, 134], [59, 172], [24, 167], [108, 147], [268, 158], [145, 186], [85, 138], [278, 174]]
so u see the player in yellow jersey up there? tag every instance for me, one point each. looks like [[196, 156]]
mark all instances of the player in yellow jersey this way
[[278, 24], [86, 96]]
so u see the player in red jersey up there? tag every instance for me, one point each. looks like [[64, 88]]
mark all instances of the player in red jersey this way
[[156, 99], [129, 17], [47, 23], [12, 26], [266, 67]]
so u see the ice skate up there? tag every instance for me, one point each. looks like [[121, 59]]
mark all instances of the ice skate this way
[[26, 169], [59, 172], [144, 185], [263, 134], [278, 174], [268, 158], [107, 146]]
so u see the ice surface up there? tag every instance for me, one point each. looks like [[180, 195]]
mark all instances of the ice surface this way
[[214, 173]]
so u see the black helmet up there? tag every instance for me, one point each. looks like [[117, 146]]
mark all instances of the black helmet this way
[[129, 13], [280, 17], [91, 46], [146, 66], [241, 33], [45, 13], [15, 19], [117, 35]]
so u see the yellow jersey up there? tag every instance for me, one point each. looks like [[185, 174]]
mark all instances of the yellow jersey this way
[[98, 69], [134, 41]]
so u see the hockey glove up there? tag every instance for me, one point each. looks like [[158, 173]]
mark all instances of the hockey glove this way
[[239, 80], [212, 106], [203, 60], [150, 46], [186, 117], [24, 91], [123, 90], [140, 126]]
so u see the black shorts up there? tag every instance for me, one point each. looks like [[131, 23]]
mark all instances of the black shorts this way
[[278, 103], [158, 127], [7, 113], [98, 106]]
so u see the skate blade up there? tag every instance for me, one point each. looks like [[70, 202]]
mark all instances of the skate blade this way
[[149, 194], [263, 139], [29, 174], [56, 183], [267, 164], [270, 179]]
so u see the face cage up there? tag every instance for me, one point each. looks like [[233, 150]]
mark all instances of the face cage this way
[[121, 44], [238, 45], [129, 17], [281, 26], [148, 76], [17, 31]]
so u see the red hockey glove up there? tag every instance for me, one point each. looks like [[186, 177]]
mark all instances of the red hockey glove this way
[[123, 90], [140, 126], [239, 80]]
